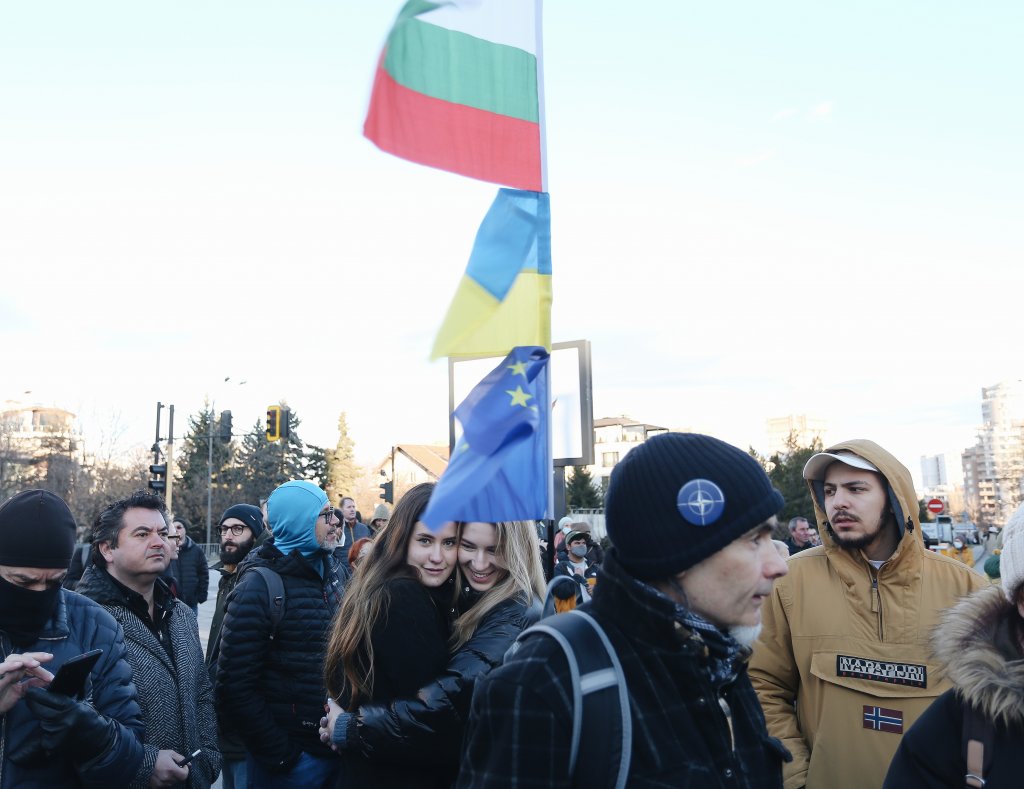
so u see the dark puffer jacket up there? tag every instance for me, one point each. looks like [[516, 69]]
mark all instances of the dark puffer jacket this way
[[193, 573], [79, 625], [427, 728], [271, 691], [681, 734], [173, 687], [979, 646]]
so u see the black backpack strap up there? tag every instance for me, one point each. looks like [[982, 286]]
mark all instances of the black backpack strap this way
[[978, 741], [602, 726], [275, 595]]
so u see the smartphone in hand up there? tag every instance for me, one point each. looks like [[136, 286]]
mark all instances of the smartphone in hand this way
[[71, 676]]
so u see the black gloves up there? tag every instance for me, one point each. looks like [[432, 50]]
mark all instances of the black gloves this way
[[70, 728]]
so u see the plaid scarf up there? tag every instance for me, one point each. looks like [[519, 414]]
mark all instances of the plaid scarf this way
[[724, 652]]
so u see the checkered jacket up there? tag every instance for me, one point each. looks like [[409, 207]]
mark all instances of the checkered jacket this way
[[520, 724]]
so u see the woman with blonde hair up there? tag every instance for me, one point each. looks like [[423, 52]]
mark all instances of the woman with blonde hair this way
[[391, 633], [502, 591]]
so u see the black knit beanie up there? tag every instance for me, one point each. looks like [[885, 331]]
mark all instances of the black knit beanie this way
[[36, 530], [678, 498], [247, 514]]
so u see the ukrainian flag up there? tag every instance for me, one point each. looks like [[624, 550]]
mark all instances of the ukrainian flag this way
[[504, 299]]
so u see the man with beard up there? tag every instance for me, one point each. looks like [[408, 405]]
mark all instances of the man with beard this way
[[843, 666], [49, 738], [270, 686], [241, 530]]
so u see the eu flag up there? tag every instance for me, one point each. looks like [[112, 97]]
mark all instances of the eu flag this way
[[500, 468]]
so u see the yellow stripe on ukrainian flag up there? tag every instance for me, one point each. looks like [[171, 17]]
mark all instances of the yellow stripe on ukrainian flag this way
[[488, 315]]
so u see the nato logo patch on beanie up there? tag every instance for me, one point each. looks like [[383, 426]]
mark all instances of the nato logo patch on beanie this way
[[701, 502], [678, 498]]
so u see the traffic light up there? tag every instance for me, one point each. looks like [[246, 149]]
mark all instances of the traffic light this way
[[387, 491], [274, 423], [159, 482], [225, 427]]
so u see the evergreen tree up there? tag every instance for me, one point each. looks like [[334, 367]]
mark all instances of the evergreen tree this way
[[580, 493], [785, 469], [198, 480], [341, 468]]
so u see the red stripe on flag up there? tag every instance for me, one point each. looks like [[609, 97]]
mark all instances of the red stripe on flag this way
[[453, 137]]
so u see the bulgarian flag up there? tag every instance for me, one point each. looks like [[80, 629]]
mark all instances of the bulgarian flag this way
[[458, 87]]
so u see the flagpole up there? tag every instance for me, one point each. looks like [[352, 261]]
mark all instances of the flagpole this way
[[541, 112]]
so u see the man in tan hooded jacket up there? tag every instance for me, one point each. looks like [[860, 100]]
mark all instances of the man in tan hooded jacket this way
[[843, 666]]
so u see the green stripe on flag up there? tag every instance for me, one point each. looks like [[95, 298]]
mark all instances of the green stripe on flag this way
[[463, 69]]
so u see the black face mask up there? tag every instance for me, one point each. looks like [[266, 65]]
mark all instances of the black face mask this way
[[23, 612]]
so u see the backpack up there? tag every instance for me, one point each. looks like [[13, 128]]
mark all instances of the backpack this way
[[275, 596], [602, 726], [275, 604], [977, 746]]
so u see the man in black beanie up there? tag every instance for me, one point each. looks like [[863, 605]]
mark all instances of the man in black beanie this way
[[679, 598], [241, 530], [53, 739]]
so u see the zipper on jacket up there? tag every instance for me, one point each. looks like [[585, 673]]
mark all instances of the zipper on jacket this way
[[876, 603]]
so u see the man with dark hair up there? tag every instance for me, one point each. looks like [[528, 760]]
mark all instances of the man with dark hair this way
[[130, 552], [270, 685], [49, 738], [799, 536], [351, 529], [690, 519], [241, 530], [193, 571], [843, 667]]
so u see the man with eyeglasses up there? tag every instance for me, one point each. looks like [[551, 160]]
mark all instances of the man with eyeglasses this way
[[241, 530], [269, 688], [130, 552]]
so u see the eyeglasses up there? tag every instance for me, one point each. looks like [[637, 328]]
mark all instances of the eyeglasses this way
[[234, 528], [175, 538], [327, 514]]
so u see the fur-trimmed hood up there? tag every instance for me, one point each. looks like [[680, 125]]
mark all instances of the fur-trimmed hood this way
[[977, 643]]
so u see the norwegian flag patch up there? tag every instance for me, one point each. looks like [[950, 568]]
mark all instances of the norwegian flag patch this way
[[881, 719]]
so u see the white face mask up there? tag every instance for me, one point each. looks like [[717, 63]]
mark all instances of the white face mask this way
[[958, 544]]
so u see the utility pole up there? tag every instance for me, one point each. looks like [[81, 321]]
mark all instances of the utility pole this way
[[209, 475], [170, 457]]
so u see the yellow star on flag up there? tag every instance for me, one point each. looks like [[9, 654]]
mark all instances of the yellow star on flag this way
[[519, 397], [518, 368]]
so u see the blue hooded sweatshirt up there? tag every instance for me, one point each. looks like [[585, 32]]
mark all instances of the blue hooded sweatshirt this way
[[292, 511]]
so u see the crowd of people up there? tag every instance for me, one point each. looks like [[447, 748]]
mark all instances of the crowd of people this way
[[691, 650]]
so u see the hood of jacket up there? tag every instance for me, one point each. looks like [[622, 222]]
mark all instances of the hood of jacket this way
[[292, 510], [978, 645], [902, 496]]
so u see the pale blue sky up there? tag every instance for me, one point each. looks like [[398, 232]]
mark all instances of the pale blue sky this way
[[757, 210]]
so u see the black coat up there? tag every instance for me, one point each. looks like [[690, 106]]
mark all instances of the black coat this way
[[978, 643], [271, 691], [193, 574], [519, 728], [410, 647], [426, 728], [79, 625]]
